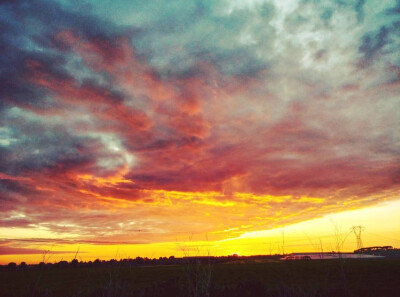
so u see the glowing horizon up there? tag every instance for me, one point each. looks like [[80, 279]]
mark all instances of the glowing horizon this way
[[128, 126], [326, 234]]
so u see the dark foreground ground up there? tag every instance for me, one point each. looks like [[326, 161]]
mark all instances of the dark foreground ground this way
[[357, 277]]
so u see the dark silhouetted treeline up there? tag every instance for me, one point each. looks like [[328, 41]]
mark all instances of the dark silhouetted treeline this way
[[138, 261]]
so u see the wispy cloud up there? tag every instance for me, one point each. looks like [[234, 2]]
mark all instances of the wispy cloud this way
[[157, 119]]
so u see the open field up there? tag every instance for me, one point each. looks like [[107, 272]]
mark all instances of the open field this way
[[240, 278]]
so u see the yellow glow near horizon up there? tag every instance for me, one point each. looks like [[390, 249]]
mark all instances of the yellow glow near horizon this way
[[381, 222]]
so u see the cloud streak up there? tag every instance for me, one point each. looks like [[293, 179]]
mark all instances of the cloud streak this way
[[207, 117]]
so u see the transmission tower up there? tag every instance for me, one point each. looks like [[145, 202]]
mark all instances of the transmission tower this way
[[357, 232]]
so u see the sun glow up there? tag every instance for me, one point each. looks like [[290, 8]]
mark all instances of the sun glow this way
[[313, 235], [222, 127]]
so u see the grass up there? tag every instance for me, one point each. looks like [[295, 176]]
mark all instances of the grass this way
[[196, 279], [367, 277]]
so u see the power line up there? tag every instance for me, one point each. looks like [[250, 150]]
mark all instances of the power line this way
[[357, 232], [385, 237]]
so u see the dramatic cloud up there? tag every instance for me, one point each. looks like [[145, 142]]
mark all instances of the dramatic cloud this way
[[136, 121]]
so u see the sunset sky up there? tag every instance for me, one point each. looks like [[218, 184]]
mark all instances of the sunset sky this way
[[158, 128]]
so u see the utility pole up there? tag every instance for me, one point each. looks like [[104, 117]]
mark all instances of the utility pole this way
[[357, 232]]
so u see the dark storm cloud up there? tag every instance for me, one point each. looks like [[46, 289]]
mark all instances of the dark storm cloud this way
[[359, 7], [372, 43], [383, 40], [39, 148], [27, 34], [198, 31]]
